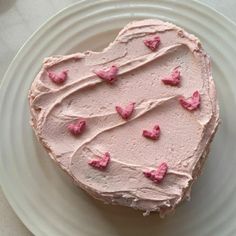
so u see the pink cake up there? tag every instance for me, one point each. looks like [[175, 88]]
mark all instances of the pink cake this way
[[131, 124]]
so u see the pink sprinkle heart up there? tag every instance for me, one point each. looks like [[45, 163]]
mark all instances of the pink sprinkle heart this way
[[59, 78], [191, 103], [109, 75], [153, 43], [154, 134], [157, 175], [77, 128], [173, 79], [100, 163], [126, 112]]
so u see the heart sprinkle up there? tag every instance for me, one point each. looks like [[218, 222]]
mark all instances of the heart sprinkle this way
[[191, 103], [126, 112], [152, 43], [102, 162], [109, 75], [157, 175], [173, 79], [77, 128], [154, 134], [59, 78]]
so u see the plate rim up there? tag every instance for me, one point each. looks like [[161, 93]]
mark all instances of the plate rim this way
[[5, 81]]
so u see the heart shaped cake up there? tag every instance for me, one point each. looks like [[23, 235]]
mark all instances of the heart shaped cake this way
[[132, 124]]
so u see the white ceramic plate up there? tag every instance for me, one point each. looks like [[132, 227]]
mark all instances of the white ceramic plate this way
[[45, 198]]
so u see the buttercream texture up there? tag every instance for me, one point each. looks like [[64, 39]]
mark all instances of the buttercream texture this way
[[137, 78]]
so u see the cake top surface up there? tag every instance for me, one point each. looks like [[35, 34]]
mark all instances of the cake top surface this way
[[133, 121]]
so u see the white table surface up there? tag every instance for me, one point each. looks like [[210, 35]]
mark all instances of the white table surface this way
[[18, 20]]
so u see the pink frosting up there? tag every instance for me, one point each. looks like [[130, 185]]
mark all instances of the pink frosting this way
[[100, 163], [126, 112], [157, 175], [173, 79], [78, 127], [185, 135], [58, 78], [191, 103], [152, 43], [108, 74], [154, 134]]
